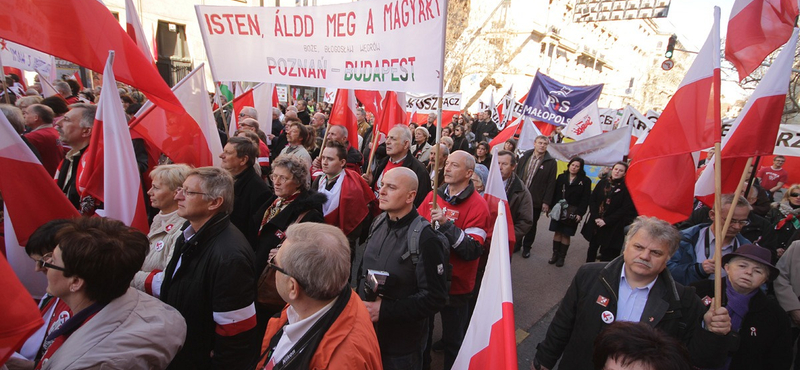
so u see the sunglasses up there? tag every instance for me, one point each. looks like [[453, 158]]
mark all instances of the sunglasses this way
[[794, 195], [46, 262]]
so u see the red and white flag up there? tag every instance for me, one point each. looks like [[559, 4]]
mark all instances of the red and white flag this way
[[262, 98], [135, 30], [494, 194], [760, 117], [26, 186], [371, 99], [189, 137], [112, 176], [39, 25], [343, 113], [393, 112], [490, 341], [755, 29], [21, 317], [691, 121], [353, 203], [584, 124]]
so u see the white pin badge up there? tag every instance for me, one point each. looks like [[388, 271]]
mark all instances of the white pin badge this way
[[159, 246], [607, 317]]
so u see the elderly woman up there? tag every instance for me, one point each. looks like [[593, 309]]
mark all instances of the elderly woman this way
[[763, 326], [113, 326], [166, 226], [292, 203], [576, 188], [421, 149], [298, 136], [611, 209]]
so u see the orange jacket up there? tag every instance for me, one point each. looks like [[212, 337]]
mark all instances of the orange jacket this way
[[350, 343]]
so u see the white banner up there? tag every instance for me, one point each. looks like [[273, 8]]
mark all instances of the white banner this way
[[22, 57], [601, 150], [641, 124], [609, 118], [373, 45], [424, 104], [787, 143]]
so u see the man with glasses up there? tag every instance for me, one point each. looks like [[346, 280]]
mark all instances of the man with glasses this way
[[211, 277], [325, 324], [694, 260]]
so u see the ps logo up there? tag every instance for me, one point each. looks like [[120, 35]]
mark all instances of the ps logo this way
[[559, 106]]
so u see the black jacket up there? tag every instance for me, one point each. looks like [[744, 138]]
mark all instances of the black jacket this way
[[619, 212], [461, 143], [485, 131], [272, 233], [66, 176], [216, 274], [423, 177], [412, 293], [544, 180], [765, 336], [576, 193], [671, 308], [249, 193]]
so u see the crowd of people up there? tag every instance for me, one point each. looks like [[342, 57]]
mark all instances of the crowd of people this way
[[253, 264]]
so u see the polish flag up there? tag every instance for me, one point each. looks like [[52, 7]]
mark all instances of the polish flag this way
[[393, 112], [353, 204], [490, 341], [761, 116], [135, 30], [26, 186], [261, 97], [47, 86], [21, 317], [584, 124], [691, 122], [112, 176], [495, 193], [190, 137], [343, 113], [507, 133], [371, 100], [39, 25], [755, 29]]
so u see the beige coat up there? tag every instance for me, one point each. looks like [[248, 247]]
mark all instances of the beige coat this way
[[134, 331], [163, 233], [787, 285]]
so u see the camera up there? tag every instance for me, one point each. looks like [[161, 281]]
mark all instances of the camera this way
[[374, 283]]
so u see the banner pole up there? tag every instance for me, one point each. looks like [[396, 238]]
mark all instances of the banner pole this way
[[325, 138], [3, 82], [439, 108]]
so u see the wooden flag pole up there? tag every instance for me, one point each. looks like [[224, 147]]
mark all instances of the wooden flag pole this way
[[325, 138], [728, 218], [717, 226], [439, 108], [372, 149]]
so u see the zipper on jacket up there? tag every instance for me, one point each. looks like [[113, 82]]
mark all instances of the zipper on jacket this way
[[603, 279]]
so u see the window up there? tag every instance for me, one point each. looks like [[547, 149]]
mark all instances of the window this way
[[174, 61]]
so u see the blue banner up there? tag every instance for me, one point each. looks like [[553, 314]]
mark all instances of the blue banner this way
[[556, 103]]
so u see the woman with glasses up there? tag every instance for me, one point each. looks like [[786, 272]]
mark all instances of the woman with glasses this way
[[611, 209], [293, 202], [113, 326], [54, 311], [783, 216], [165, 228]]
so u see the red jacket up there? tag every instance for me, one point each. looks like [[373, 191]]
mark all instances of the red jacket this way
[[350, 343]]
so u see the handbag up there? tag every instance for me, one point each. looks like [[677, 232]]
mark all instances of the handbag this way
[[566, 212], [556, 212], [267, 293]]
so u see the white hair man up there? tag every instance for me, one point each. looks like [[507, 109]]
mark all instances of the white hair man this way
[[398, 154]]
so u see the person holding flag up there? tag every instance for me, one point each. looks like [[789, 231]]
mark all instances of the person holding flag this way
[[634, 287]]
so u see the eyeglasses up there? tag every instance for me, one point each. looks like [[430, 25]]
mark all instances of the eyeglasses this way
[[242, 115], [187, 192], [46, 262], [279, 178], [282, 271], [794, 195], [740, 222]]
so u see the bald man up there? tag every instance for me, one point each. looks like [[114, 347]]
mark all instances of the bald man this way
[[463, 217], [415, 288]]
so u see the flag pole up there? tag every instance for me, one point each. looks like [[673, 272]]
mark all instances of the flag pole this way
[[373, 147], [736, 195], [439, 108], [3, 82], [325, 138], [718, 233], [752, 176]]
